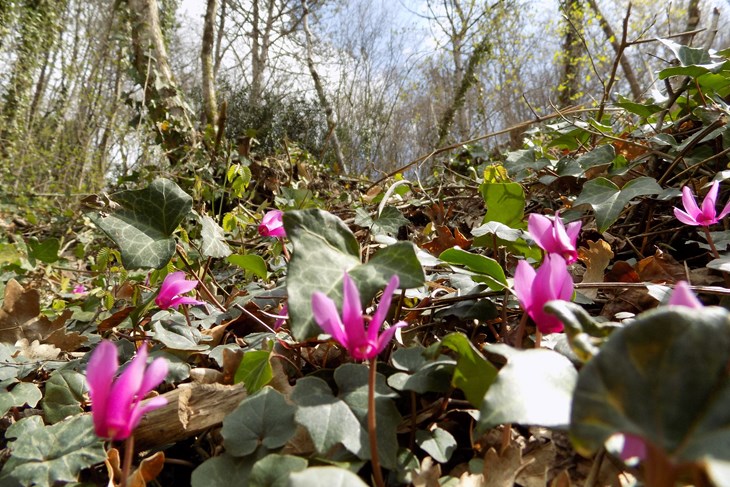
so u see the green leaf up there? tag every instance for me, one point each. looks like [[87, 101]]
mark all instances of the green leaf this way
[[265, 418], [64, 395], [521, 163], [179, 336], [329, 476], [388, 223], [500, 230], [352, 381], [505, 203], [488, 270], [214, 240], [219, 471], [324, 248], [142, 226], [663, 378], [250, 262], [328, 419], [273, 470], [473, 374], [439, 443], [255, 370], [43, 455], [640, 109], [535, 387], [608, 201], [600, 156], [422, 375], [18, 394], [46, 251]]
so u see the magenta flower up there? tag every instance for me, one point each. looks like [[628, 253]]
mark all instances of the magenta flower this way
[[115, 404], [634, 447], [350, 331], [693, 215], [683, 296], [171, 290], [272, 225], [79, 289], [533, 289], [553, 237]]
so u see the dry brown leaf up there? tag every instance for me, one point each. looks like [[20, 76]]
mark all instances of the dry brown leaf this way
[[34, 351], [231, 361], [502, 470], [148, 470], [445, 240], [115, 319], [428, 475], [622, 272], [471, 480], [204, 375], [113, 469], [596, 258], [68, 342], [561, 480], [217, 333], [660, 267], [537, 463], [20, 316], [372, 193]]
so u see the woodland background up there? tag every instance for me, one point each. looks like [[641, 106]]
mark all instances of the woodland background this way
[[101, 92]]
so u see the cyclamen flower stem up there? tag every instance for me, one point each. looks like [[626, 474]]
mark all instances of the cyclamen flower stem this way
[[284, 250], [372, 431], [127, 464], [521, 330], [715, 253], [203, 288]]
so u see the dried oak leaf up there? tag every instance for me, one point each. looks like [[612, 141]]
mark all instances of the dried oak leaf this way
[[148, 470], [596, 258], [34, 351], [428, 475], [68, 342], [501, 470], [20, 316], [445, 240]]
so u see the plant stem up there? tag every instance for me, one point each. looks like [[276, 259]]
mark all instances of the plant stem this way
[[521, 330], [128, 455], [372, 432], [715, 253]]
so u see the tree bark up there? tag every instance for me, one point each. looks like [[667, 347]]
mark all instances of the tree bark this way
[[210, 108], [326, 106], [693, 20], [477, 56], [166, 107], [625, 64], [573, 13]]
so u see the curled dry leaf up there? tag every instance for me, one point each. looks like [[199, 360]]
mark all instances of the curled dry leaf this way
[[20, 315], [596, 258], [34, 351], [428, 475]]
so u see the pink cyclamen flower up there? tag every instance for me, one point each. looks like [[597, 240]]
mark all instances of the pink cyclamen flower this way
[[633, 447], [79, 289], [272, 225], [349, 330], [683, 296], [707, 215], [171, 290], [115, 404], [534, 289], [553, 236]]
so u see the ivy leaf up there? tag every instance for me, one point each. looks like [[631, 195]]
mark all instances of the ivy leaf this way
[[439, 443], [143, 224], [46, 251], [218, 471], [255, 370], [179, 336], [17, 394], [64, 393], [327, 418], [273, 470], [600, 156], [664, 378], [535, 387], [324, 248], [214, 240], [608, 201], [388, 223], [265, 418], [43, 455]]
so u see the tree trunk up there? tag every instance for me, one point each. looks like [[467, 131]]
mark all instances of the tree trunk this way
[[625, 63], [210, 108], [477, 56], [693, 20], [167, 109], [572, 48], [329, 114]]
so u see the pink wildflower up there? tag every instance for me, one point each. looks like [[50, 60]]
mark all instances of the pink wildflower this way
[[79, 289], [707, 215], [349, 330], [553, 236], [272, 225], [172, 287], [683, 296], [115, 404], [534, 289]]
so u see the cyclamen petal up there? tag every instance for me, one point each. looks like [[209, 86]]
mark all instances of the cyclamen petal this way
[[349, 330], [272, 225], [115, 404], [707, 214], [536, 288], [171, 289], [682, 295], [553, 237]]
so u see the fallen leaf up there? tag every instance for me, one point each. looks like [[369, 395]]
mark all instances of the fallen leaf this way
[[148, 470], [34, 351], [596, 258], [112, 321], [622, 272], [217, 332], [20, 315], [204, 375], [537, 463], [561, 480], [231, 361], [445, 240], [660, 267], [68, 342], [113, 469], [428, 475], [502, 470]]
